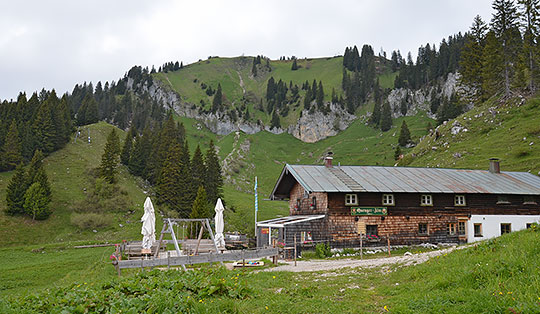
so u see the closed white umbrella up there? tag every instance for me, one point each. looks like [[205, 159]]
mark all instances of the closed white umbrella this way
[[219, 238], [149, 225]]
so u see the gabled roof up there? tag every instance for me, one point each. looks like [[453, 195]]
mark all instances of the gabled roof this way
[[348, 179]]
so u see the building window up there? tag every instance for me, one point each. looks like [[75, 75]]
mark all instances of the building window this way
[[459, 200], [451, 228], [529, 200], [461, 228], [422, 229], [305, 237], [503, 200], [426, 200], [506, 228], [298, 204], [371, 230], [351, 199], [388, 199], [313, 204], [477, 230]]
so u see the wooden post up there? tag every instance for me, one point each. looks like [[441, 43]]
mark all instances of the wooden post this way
[[118, 269], [275, 257], [199, 240], [243, 259], [361, 246], [295, 249], [388, 241], [168, 260], [160, 240]]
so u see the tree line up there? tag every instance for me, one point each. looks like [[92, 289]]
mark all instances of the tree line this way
[[161, 156]]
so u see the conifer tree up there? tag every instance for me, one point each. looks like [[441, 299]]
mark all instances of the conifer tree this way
[[15, 192], [36, 203], [214, 178], [110, 158], [43, 180], [274, 122], [168, 188], [492, 65], [218, 99], [404, 135], [12, 154], [530, 16], [386, 117], [198, 168], [201, 207], [320, 95], [294, 66], [472, 52], [43, 129], [376, 116], [136, 159], [397, 153], [504, 24], [35, 164], [126, 149], [187, 188]]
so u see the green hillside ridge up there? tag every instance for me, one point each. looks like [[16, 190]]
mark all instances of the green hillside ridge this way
[[509, 130], [241, 88], [494, 276]]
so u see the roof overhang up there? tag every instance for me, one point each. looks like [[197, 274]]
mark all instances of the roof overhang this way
[[284, 184], [289, 220]]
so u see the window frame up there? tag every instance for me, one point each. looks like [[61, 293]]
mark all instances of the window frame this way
[[480, 234], [464, 224], [420, 232], [313, 205], [350, 203], [298, 205], [505, 225], [424, 198], [457, 199], [389, 197], [372, 226], [452, 228]]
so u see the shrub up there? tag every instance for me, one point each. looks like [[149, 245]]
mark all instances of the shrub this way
[[88, 221], [322, 250]]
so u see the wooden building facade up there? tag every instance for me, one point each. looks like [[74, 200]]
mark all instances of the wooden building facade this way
[[340, 204]]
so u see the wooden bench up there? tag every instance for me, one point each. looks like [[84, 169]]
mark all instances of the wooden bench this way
[[133, 249], [189, 247]]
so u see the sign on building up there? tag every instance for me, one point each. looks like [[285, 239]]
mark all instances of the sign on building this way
[[369, 211]]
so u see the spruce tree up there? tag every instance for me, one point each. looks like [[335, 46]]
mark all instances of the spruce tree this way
[[43, 180], [376, 116], [274, 122], [504, 24], [320, 95], [214, 178], [35, 164], [397, 153], [218, 99], [386, 117], [126, 149], [404, 135], [12, 148], [472, 54], [136, 159], [186, 184], [110, 158], [530, 16], [294, 66], [43, 129], [36, 203], [15, 191], [168, 188], [201, 207], [492, 66], [198, 168]]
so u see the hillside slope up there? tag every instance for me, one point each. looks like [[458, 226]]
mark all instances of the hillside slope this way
[[69, 171], [509, 130]]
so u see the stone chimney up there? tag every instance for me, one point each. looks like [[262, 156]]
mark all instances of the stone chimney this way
[[494, 165], [328, 160]]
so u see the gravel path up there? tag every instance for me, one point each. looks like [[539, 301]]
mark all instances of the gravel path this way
[[321, 265]]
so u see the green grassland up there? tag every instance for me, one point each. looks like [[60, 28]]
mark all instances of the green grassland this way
[[509, 131], [495, 276], [69, 170]]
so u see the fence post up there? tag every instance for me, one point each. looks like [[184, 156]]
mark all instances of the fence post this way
[[168, 260], [388, 241], [361, 245], [295, 249]]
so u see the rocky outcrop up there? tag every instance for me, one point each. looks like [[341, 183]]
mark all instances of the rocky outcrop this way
[[313, 127], [420, 100]]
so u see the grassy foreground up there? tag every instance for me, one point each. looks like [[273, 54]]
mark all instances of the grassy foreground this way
[[496, 276]]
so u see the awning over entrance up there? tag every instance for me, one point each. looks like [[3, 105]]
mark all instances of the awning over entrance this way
[[289, 220]]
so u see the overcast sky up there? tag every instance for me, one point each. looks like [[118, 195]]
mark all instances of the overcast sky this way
[[56, 44]]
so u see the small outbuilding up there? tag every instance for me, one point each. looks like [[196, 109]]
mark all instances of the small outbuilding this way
[[340, 204]]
